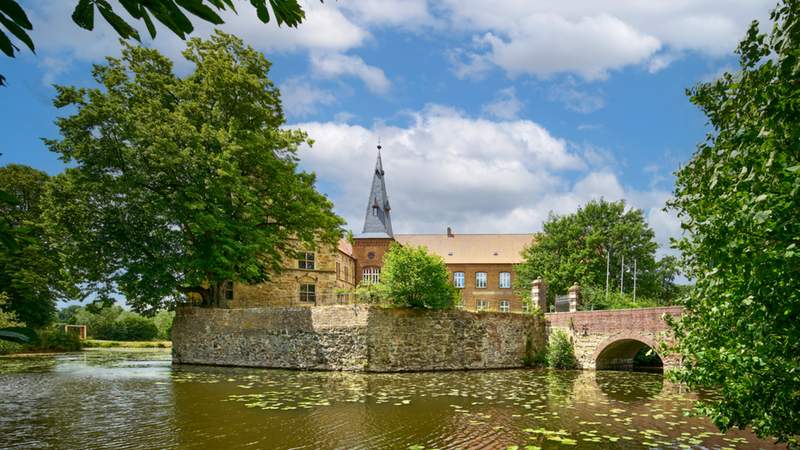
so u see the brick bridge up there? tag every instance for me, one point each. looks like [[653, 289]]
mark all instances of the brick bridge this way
[[610, 339]]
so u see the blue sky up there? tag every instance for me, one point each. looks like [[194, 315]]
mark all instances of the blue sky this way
[[490, 117]]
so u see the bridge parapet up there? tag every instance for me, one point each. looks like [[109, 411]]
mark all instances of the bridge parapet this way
[[613, 334]]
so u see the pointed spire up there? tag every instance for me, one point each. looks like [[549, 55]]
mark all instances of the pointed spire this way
[[378, 222]]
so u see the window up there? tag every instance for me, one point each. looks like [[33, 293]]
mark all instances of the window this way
[[458, 279], [480, 279], [505, 306], [505, 280], [526, 306], [306, 261], [483, 305], [371, 275], [338, 271], [308, 293], [229, 290]]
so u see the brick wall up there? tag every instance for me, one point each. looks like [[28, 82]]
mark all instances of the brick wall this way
[[364, 248], [492, 293]]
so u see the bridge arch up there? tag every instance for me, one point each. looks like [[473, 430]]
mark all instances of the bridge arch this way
[[617, 352]]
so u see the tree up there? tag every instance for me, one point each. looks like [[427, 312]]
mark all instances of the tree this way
[[414, 278], [30, 271], [181, 185], [574, 248], [738, 199], [170, 13]]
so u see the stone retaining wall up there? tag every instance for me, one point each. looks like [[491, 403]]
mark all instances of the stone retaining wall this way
[[355, 338]]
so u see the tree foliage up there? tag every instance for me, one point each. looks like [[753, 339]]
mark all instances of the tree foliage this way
[[173, 14], [561, 351], [180, 185], [738, 199], [573, 248], [414, 278], [30, 270]]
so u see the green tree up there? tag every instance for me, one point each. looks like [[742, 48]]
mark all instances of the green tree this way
[[414, 278], [738, 199], [180, 185], [561, 351], [170, 13], [574, 247], [30, 271], [163, 321]]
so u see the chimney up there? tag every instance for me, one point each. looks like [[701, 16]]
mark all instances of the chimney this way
[[450, 232]]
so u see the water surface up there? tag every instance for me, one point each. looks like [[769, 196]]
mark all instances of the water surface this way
[[137, 399]]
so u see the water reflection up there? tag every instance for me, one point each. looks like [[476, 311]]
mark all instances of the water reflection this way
[[137, 400]]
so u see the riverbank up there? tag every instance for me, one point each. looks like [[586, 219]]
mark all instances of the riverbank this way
[[99, 343]]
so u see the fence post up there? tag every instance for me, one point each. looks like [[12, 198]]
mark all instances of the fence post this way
[[574, 297], [539, 294]]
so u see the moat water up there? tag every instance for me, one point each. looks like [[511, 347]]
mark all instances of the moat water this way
[[137, 399]]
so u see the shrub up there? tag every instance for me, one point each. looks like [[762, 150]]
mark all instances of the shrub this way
[[595, 298], [133, 327], [417, 279], [560, 351], [57, 341], [163, 322]]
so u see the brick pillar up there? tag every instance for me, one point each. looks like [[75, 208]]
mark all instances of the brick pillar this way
[[574, 297], [539, 294]]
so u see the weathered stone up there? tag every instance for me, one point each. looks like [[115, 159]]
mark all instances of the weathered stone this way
[[355, 338]]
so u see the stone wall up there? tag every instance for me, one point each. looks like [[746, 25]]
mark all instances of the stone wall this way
[[355, 338], [617, 331]]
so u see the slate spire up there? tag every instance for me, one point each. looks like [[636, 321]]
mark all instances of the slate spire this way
[[378, 221]]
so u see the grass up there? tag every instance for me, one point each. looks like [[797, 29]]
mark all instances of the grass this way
[[97, 343]]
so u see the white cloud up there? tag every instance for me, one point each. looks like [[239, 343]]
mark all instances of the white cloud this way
[[476, 175], [409, 13], [506, 105], [576, 99], [336, 65], [593, 37], [301, 98]]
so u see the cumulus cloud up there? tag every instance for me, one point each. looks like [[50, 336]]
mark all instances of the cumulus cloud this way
[[477, 175], [336, 65], [506, 105], [407, 13], [301, 98], [593, 37]]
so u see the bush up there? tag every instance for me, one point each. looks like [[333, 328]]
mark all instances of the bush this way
[[57, 341], [133, 327], [163, 321], [417, 279], [560, 351], [595, 298]]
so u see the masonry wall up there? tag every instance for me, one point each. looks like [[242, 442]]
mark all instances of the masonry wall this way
[[492, 293], [355, 338], [592, 332]]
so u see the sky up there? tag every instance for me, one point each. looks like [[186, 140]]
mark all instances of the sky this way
[[491, 114]]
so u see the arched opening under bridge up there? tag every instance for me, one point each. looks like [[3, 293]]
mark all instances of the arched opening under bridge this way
[[631, 353]]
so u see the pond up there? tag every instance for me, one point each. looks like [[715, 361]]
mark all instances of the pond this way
[[137, 399]]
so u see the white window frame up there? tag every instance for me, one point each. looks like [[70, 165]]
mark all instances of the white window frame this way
[[308, 295], [371, 275], [458, 279], [481, 282], [482, 305], [526, 307], [504, 280], [505, 306], [306, 262]]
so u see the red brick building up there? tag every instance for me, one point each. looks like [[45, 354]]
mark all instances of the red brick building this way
[[480, 265]]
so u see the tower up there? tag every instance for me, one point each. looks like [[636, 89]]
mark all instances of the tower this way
[[377, 235]]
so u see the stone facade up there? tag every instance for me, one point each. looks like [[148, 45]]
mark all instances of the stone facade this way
[[355, 338], [333, 272], [610, 339]]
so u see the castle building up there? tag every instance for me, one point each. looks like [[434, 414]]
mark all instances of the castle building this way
[[481, 266]]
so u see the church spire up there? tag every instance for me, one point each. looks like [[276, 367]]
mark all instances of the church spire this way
[[378, 221]]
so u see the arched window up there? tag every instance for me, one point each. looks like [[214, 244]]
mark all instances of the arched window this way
[[371, 275]]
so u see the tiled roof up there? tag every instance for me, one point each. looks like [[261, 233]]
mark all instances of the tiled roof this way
[[378, 218], [345, 247], [471, 248]]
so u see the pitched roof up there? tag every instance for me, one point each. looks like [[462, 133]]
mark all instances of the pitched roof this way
[[378, 221], [345, 247], [471, 248]]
